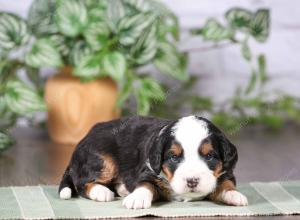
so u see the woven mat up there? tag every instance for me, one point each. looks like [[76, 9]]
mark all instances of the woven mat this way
[[42, 202]]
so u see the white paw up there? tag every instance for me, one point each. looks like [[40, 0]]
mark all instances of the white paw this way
[[140, 198], [65, 193], [101, 194], [233, 197]]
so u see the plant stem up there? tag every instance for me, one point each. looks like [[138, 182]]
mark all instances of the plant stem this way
[[208, 48]]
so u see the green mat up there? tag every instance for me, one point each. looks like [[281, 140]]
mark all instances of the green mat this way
[[42, 202]]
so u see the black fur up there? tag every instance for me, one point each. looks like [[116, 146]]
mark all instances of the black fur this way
[[130, 142]]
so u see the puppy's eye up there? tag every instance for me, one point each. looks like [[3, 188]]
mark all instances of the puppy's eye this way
[[174, 158], [209, 157]]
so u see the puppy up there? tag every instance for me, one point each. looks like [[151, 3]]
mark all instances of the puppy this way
[[148, 159]]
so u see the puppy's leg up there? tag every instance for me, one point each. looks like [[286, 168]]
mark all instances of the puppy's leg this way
[[95, 178], [98, 192], [149, 189], [227, 193]]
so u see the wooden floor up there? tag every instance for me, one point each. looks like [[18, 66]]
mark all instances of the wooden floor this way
[[263, 156]]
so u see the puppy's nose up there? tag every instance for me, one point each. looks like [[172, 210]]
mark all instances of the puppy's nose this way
[[192, 182]]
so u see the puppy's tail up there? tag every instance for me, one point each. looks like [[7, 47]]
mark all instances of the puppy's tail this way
[[66, 188]]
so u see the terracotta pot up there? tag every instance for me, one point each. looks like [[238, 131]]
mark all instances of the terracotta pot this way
[[74, 107]]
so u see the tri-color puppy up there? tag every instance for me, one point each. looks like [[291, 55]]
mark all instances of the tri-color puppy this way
[[148, 159]]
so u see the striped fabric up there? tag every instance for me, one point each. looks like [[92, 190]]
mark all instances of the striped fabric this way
[[42, 202]]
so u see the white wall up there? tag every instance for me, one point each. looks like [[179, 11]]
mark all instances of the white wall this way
[[222, 69]]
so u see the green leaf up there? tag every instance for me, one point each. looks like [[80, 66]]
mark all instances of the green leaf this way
[[97, 31], [41, 17], [226, 121], [13, 31], [262, 68], [4, 68], [146, 47], [273, 121], [61, 43], [5, 141], [173, 26], [115, 12], [97, 34], [8, 69], [124, 92], [79, 51], [98, 13], [171, 62], [151, 89], [168, 21], [251, 83], [255, 102], [71, 17], [260, 25], [214, 31], [147, 91], [239, 18], [130, 28], [143, 103], [140, 5], [88, 68], [246, 51], [92, 4], [199, 103], [7, 118], [114, 64], [44, 54], [21, 99], [290, 106]]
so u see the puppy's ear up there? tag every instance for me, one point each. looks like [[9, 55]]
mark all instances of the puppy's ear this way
[[157, 150], [229, 153]]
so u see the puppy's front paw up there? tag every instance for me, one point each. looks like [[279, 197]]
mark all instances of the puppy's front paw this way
[[101, 194], [140, 198], [233, 197]]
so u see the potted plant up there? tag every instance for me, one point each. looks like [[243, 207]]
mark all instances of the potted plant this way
[[99, 47]]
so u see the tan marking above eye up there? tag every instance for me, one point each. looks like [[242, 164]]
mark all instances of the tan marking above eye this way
[[176, 149], [205, 148]]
